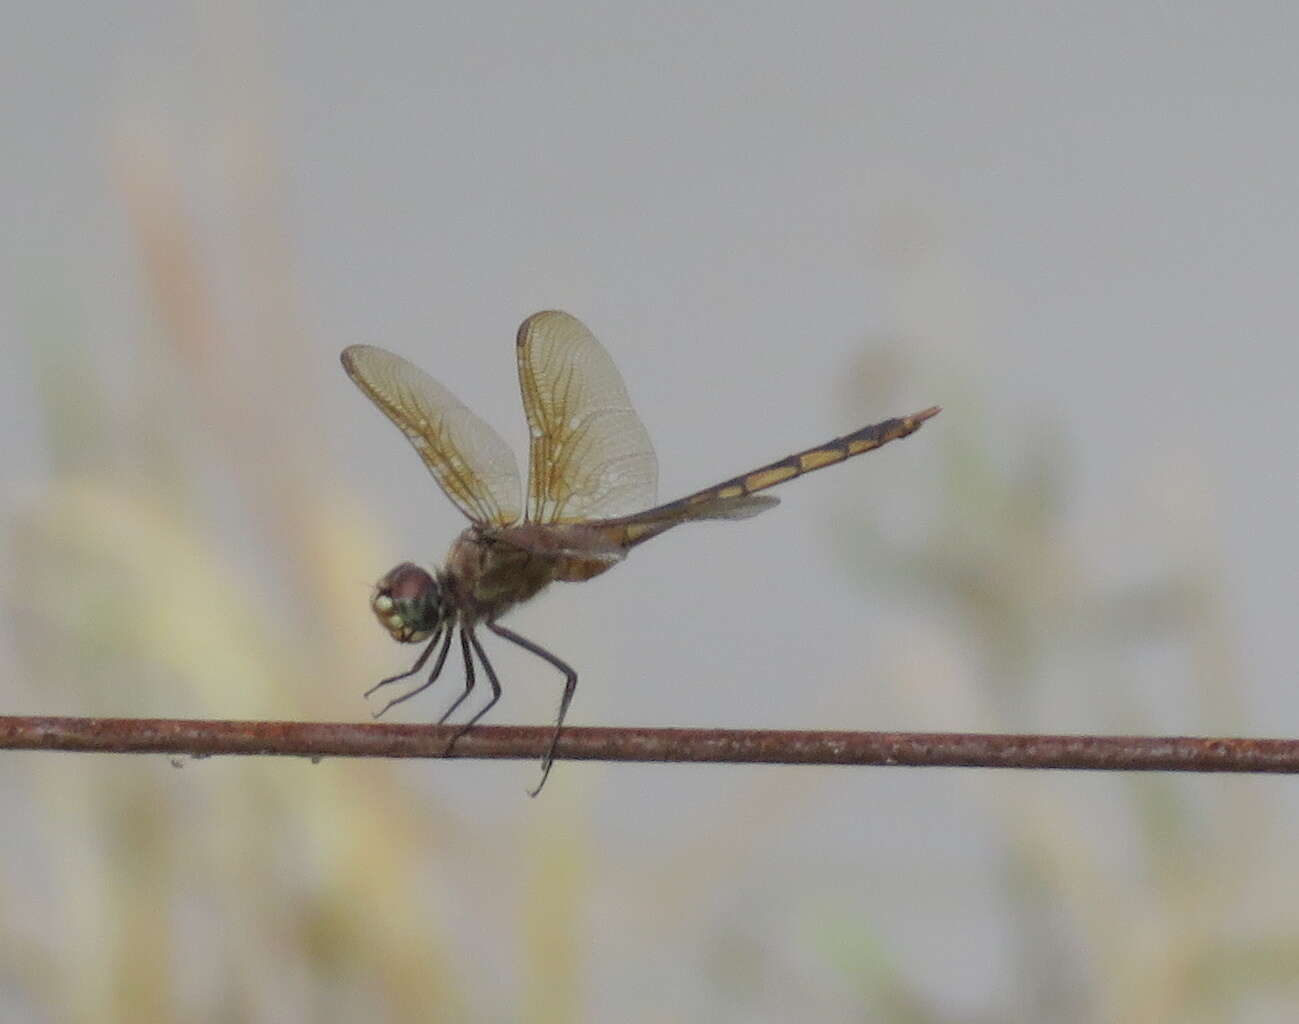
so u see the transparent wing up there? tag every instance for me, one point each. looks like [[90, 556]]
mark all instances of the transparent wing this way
[[468, 459], [590, 456]]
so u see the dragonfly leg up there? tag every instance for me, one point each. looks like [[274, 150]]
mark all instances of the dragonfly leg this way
[[419, 664], [469, 678], [570, 686], [467, 639]]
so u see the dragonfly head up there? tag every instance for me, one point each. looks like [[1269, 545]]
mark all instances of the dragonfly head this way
[[408, 603]]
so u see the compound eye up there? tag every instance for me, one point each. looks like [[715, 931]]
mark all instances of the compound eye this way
[[408, 603]]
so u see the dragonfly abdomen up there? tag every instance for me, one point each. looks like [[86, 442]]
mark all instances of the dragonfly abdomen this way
[[739, 498]]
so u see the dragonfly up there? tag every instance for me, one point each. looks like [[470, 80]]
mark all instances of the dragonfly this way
[[590, 497]]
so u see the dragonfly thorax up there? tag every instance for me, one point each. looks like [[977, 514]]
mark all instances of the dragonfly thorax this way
[[409, 603]]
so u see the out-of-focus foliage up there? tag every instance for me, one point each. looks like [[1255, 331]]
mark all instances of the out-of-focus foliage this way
[[1155, 898], [239, 891]]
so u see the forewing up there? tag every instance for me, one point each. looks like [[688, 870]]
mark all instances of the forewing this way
[[590, 456], [468, 459]]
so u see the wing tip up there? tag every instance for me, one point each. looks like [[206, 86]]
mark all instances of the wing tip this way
[[349, 356], [525, 328]]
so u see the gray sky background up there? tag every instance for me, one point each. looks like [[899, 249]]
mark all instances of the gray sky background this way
[[1102, 193], [1086, 211]]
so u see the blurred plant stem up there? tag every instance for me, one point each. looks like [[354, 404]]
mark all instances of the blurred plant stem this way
[[191, 553], [1002, 564]]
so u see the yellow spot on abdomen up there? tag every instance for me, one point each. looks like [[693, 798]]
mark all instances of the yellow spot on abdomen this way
[[637, 530], [820, 457], [857, 447], [769, 477]]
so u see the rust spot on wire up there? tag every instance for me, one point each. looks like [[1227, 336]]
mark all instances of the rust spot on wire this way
[[344, 739]]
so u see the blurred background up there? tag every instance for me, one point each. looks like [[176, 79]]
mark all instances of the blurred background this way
[[1071, 225]]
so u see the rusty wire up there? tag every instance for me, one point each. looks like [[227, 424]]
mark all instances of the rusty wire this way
[[201, 738]]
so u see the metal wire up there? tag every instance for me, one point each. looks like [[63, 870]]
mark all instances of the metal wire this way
[[201, 738]]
